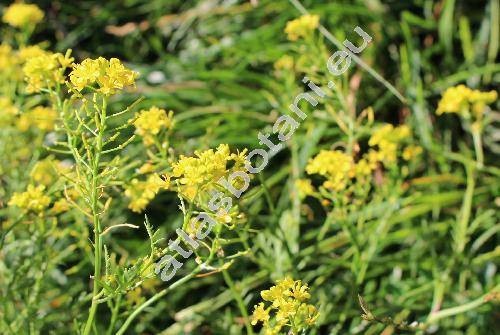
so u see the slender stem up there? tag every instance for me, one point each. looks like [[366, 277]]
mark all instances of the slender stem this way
[[154, 298], [239, 300], [297, 4], [267, 194], [460, 309], [94, 198], [478, 146], [461, 228], [114, 315], [163, 292]]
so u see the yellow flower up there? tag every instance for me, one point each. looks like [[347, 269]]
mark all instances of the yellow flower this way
[[299, 291], [142, 192], [146, 168], [46, 70], [387, 138], [109, 75], [21, 15], [284, 63], [462, 100], [454, 100], [43, 118], [304, 187], [301, 27], [260, 314], [30, 51], [149, 123], [411, 152], [289, 303], [276, 330], [333, 165], [199, 173], [286, 283], [479, 100], [364, 167], [85, 73], [286, 310], [275, 293], [312, 314], [60, 206], [33, 199]]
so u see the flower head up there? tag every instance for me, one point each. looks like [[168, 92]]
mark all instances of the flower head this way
[[284, 63], [334, 165], [387, 138], [45, 70], [201, 172], [142, 192], [33, 200], [149, 123], [31, 51], [60, 206], [288, 300], [20, 15], [109, 75], [301, 27], [411, 151], [260, 314], [304, 187], [463, 100]]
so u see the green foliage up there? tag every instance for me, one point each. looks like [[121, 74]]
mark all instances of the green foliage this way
[[412, 247]]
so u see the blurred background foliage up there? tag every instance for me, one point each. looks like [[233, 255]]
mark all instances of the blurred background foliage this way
[[211, 61]]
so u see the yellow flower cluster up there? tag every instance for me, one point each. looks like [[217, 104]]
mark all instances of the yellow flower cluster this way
[[366, 165], [288, 299], [20, 15], [462, 100], [12, 61], [304, 187], [284, 63], [301, 27], [198, 173], [60, 206], [110, 75], [43, 118], [411, 151], [142, 192], [33, 200], [31, 51], [45, 70], [334, 165], [149, 123], [387, 138]]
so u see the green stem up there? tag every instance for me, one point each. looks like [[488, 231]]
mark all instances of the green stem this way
[[114, 315], [239, 300], [267, 194], [163, 292], [461, 229], [460, 309], [478, 146], [153, 299], [94, 197]]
